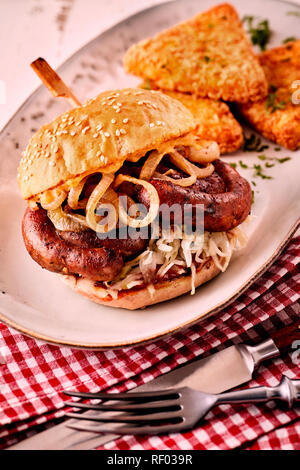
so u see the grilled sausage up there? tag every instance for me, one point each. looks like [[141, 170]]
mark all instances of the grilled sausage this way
[[57, 255], [226, 197], [89, 239]]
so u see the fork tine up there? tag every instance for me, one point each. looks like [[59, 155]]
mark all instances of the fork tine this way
[[143, 406], [129, 418], [155, 395], [130, 430]]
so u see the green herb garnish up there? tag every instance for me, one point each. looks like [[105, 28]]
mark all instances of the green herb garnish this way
[[283, 160], [290, 39], [258, 169], [259, 33], [242, 164], [253, 144], [277, 149], [293, 13], [258, 172], [272, 103], [206, 58]]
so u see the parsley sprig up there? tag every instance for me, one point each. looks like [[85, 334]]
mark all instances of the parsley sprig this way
[[269, 162], [289, 39], [272, 103], [253, 144], [260, 33]]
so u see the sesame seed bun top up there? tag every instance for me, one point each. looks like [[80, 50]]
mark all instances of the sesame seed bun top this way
[[115, 126]]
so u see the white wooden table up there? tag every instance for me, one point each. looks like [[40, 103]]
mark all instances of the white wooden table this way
[[54, 29]]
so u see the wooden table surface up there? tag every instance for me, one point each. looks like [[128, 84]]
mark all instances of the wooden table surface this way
[[54, 29]]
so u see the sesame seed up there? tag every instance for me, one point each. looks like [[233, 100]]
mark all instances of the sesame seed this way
[[99, 127], [119, 104], [96, 135], [117, 132], [72, 133], [107, 134], [64, 132], [47, 154], [85, 129], [125, 120], [102, 158], [78, 123], [115, 106], [151, 124], [98, 153], [158, 123], [123, 131], [140, 102], [52, 163], [113, 121]]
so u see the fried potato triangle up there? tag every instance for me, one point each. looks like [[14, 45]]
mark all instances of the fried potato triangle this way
[[213, 118], [277, 117], [209, 55]]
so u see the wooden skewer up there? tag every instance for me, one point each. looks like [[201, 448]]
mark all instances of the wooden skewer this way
[[53, 82]]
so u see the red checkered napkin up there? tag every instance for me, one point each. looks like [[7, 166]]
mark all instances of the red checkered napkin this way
[[33, 374]]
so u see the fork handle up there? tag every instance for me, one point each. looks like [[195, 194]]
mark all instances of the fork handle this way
[[288, 391]]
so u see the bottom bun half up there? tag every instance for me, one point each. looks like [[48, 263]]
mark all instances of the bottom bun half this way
[[140, 297]]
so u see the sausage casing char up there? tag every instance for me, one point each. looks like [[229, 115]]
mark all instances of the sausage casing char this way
[[89, 239], [225, 195], [55, 254]]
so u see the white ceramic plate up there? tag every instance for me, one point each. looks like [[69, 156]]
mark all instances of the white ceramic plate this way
[[35, 301]]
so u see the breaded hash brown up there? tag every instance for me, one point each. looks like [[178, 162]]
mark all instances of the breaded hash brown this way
[[209, 55], [214, 120], [276, 117]]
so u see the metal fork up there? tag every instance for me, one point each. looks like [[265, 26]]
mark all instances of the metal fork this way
[[167, 411]]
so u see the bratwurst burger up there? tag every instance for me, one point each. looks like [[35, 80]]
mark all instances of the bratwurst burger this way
[[99, 181]]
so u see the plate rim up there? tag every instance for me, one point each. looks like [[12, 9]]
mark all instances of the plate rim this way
[[189, 323]]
